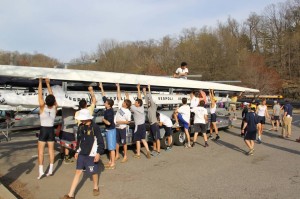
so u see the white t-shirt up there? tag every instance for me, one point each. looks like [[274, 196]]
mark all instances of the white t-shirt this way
[[165, 120], [185, 111], [194, 102], [180, 70], [200, 112], [123, 114], [261, 110]]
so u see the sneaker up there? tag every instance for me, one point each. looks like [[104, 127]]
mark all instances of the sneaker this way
[[96, 192], [153, 153], [259, 141], [206, 145], [193, 144], [67, 197], [137, 156], [210, 137], [158, 153], [68, 161], [250, 152], [148, 155], [217, 137], [168, 148], [176, 125]]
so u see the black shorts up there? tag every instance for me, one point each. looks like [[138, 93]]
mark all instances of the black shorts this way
[[154, 131], [200, 128], [67, 136], [213, 117], [121, 136], [168, 131], [47, 134], [140, 133], [276, 118], [250, 135], [261, 119], [87, 162]]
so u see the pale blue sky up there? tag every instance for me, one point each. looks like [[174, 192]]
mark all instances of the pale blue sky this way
[[64, 28]]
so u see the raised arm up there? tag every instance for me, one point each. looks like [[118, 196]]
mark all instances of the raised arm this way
[[40, 93], [101, 88], [240, 95], [91, 90], [118, 92], [139, 91], [211, 95], [146, 96], [47, 80], [127, 95]]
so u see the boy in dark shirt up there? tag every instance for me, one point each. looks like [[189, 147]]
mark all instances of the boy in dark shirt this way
[[250, 123], [244, 114], [110, 133], [89, 146]]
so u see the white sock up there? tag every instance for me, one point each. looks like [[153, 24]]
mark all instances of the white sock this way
[[41, 171], [259, 137], [50, 170]]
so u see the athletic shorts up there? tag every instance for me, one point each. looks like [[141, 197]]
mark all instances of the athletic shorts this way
[[140, 133], [168, 131], [200, 128], [67, 136], [154, 131], [121, 136], [47, 134], [213, 117], [250, 135], [111, 139], [261, 119], [87, 162], [184, 123], [276, 118]]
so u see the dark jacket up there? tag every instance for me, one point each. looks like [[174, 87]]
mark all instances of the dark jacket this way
[[85, 139]]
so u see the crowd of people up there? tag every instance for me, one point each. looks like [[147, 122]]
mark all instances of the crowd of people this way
[[254, 118], [90, 143]]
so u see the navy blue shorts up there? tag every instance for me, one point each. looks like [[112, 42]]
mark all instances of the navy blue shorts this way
[[276, 118], [47, 134], [213, 117], [111, 139], [200, 128], [87, 162], [184, 123], [140, 133], [261, 119], [154, 131], [168, 130], [251, 135], [67, 136], [121, 136]]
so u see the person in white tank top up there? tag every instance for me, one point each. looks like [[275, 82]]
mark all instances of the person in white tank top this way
[[262, 112], [213, 116], [48, 109]]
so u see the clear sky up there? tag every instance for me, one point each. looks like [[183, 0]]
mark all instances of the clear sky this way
[[63, 29]]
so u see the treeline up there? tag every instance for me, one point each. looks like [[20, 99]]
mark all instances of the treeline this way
[[263, 51], [26, 59]]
